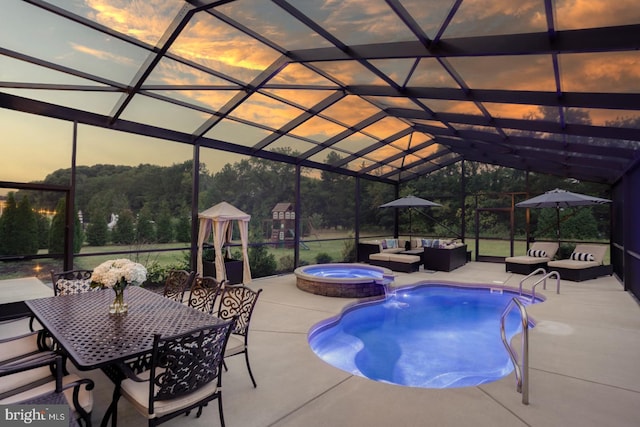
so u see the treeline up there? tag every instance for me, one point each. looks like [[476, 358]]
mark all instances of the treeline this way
[[153, 203], [24, 231]]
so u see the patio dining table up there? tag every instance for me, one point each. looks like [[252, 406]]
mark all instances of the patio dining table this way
[[94, 339]]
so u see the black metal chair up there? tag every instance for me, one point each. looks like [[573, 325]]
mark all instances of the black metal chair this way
[[71, 282], [68, 390], [20, 348], [204, 293], [177, 283], [184, 374], [239, 301]]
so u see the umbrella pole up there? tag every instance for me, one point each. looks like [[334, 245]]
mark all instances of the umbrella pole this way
[[558, 224], [410, 227]]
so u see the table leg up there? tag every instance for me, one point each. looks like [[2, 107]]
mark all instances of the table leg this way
[[112, 410]]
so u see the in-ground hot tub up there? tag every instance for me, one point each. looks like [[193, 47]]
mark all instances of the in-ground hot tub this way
[[343, 279]]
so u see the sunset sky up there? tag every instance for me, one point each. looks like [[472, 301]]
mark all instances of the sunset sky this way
[[88, 70]]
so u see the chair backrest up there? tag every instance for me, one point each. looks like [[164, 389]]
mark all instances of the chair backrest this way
[[71, 282], [238, 301], [550, 248], [204, 292], [182, 364], [177, 282], [598, 251]]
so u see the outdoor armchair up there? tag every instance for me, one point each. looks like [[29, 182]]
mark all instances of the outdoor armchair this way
[[184, 374], [177, 283], [15, 350], [239, 301], [204, 293], [61, 389], [71, 282]]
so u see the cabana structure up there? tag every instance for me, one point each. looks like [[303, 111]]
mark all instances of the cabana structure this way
[[218, 221]]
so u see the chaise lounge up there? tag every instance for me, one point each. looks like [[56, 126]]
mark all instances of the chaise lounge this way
[[586, 262], [538, 256]]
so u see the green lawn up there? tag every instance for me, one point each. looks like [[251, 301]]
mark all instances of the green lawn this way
[[283, 256]]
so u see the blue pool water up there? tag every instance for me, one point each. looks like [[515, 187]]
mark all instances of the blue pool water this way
[[343, 271], [425, 336]]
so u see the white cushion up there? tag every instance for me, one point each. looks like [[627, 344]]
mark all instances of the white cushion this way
[[85, 397], [138, 394], [235, 345], [19, 346], [20, 379]]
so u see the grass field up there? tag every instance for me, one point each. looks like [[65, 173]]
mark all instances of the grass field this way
[[309, 252]]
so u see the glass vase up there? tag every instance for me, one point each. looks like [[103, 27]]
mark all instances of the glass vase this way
[[118, 306]]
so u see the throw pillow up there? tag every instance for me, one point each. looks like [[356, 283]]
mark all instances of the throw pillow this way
[[579, 256], [391, 243], [538, 253], [426, 243], [384, 244]]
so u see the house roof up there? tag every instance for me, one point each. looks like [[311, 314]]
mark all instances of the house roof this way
[[384, 89], [282, 207]]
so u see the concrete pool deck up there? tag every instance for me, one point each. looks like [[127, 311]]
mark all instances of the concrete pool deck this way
[[583, 354]]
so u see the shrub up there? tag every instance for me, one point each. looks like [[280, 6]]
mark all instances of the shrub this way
[[261, 261], [286, 264], [323, 258], [349, 250]]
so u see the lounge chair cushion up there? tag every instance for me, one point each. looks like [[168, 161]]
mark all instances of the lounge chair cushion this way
[[549, 249], [524, 259], [597, 251], [571, 264]]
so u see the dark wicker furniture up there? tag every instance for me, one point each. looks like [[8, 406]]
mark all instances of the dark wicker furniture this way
[[440, 259]]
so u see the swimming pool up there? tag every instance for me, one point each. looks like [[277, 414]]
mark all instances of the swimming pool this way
[[430, 336]]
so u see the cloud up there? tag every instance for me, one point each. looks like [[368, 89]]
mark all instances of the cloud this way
[[100, 54]]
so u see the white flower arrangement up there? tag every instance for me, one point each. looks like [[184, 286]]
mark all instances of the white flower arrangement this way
[[118, 273]]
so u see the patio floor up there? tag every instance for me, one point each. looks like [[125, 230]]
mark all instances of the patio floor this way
[[583, 357]]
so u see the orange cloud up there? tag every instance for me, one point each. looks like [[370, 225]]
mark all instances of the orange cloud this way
[[100, 54]]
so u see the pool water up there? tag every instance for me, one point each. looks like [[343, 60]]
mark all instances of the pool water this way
[[425, 336], [343, 272]]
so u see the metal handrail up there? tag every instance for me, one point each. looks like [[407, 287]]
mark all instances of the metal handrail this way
[[544, 281], [537, 270], [522, 372]]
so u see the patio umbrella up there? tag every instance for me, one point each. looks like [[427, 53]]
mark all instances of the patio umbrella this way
[[561, 199], [410, 202]]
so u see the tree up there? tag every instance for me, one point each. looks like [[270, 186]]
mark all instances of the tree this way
[[7, 226], [183, 228], [97, 230], [56, 232], [43, 231], [164, 226], [145, 233], [18, 228], [26, 229], [124, 232]]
